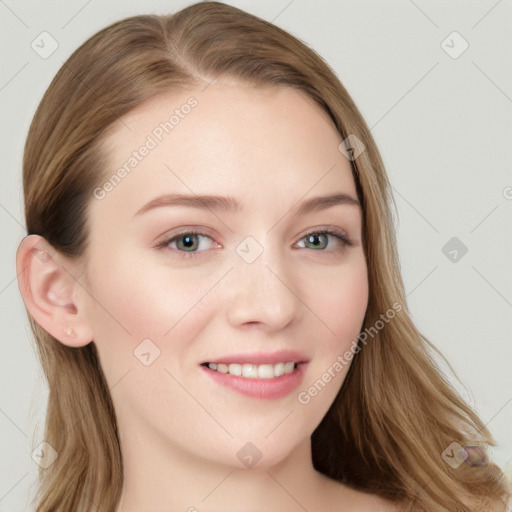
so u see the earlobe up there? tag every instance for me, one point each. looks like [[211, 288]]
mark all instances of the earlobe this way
[[49, 291]]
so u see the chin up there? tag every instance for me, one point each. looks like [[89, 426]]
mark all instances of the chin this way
[[264, 454]]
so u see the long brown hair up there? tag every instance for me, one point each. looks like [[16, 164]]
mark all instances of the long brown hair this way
[[395, 413]]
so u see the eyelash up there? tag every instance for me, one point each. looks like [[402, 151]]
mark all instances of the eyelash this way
[[337, 233]]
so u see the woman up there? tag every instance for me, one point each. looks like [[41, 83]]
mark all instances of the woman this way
[[211, 276]]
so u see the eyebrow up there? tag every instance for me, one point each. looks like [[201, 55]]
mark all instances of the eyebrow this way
[[230, 204]]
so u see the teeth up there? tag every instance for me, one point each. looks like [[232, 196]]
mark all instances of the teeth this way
[[250, 370], [235, 369], [222, 368], [278, 369], [254, 371], [288, 367], [266, 371]]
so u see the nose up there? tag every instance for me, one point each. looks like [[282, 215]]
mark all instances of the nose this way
[[264, 292]]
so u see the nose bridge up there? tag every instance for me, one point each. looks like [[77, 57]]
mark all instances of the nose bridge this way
[[261, 292]]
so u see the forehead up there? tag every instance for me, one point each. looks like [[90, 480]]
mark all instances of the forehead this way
[[229, 139], [223, 112]]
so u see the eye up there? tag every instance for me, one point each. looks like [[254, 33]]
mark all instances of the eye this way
[[191, 243], [319, 240], [188, 243]]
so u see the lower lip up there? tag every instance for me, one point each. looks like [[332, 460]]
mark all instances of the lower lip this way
[[264, 389]]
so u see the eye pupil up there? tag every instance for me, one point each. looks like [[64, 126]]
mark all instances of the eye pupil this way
[[314, 239], [190, 242]]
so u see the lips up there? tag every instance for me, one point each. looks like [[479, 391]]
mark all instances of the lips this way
[[258, 375]]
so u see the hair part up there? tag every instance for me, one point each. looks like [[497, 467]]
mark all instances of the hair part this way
[[395, 412]]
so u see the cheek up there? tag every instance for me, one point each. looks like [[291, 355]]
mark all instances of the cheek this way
[[130, 303], [339, 300]]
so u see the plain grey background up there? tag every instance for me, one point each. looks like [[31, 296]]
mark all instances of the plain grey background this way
[[441, 114]]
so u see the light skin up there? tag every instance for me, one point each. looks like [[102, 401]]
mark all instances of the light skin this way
[[271, 149]]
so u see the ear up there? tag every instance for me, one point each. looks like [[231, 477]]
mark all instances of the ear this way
[[50, 291]]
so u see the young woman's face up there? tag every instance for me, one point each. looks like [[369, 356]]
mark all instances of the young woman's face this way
[[261, 285]]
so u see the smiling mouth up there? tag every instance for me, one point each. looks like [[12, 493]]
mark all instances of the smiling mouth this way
[[253, 371]]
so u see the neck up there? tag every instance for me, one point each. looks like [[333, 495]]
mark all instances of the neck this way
[[160, 480]]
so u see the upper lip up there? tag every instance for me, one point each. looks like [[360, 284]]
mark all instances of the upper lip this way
[[281, 356]]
